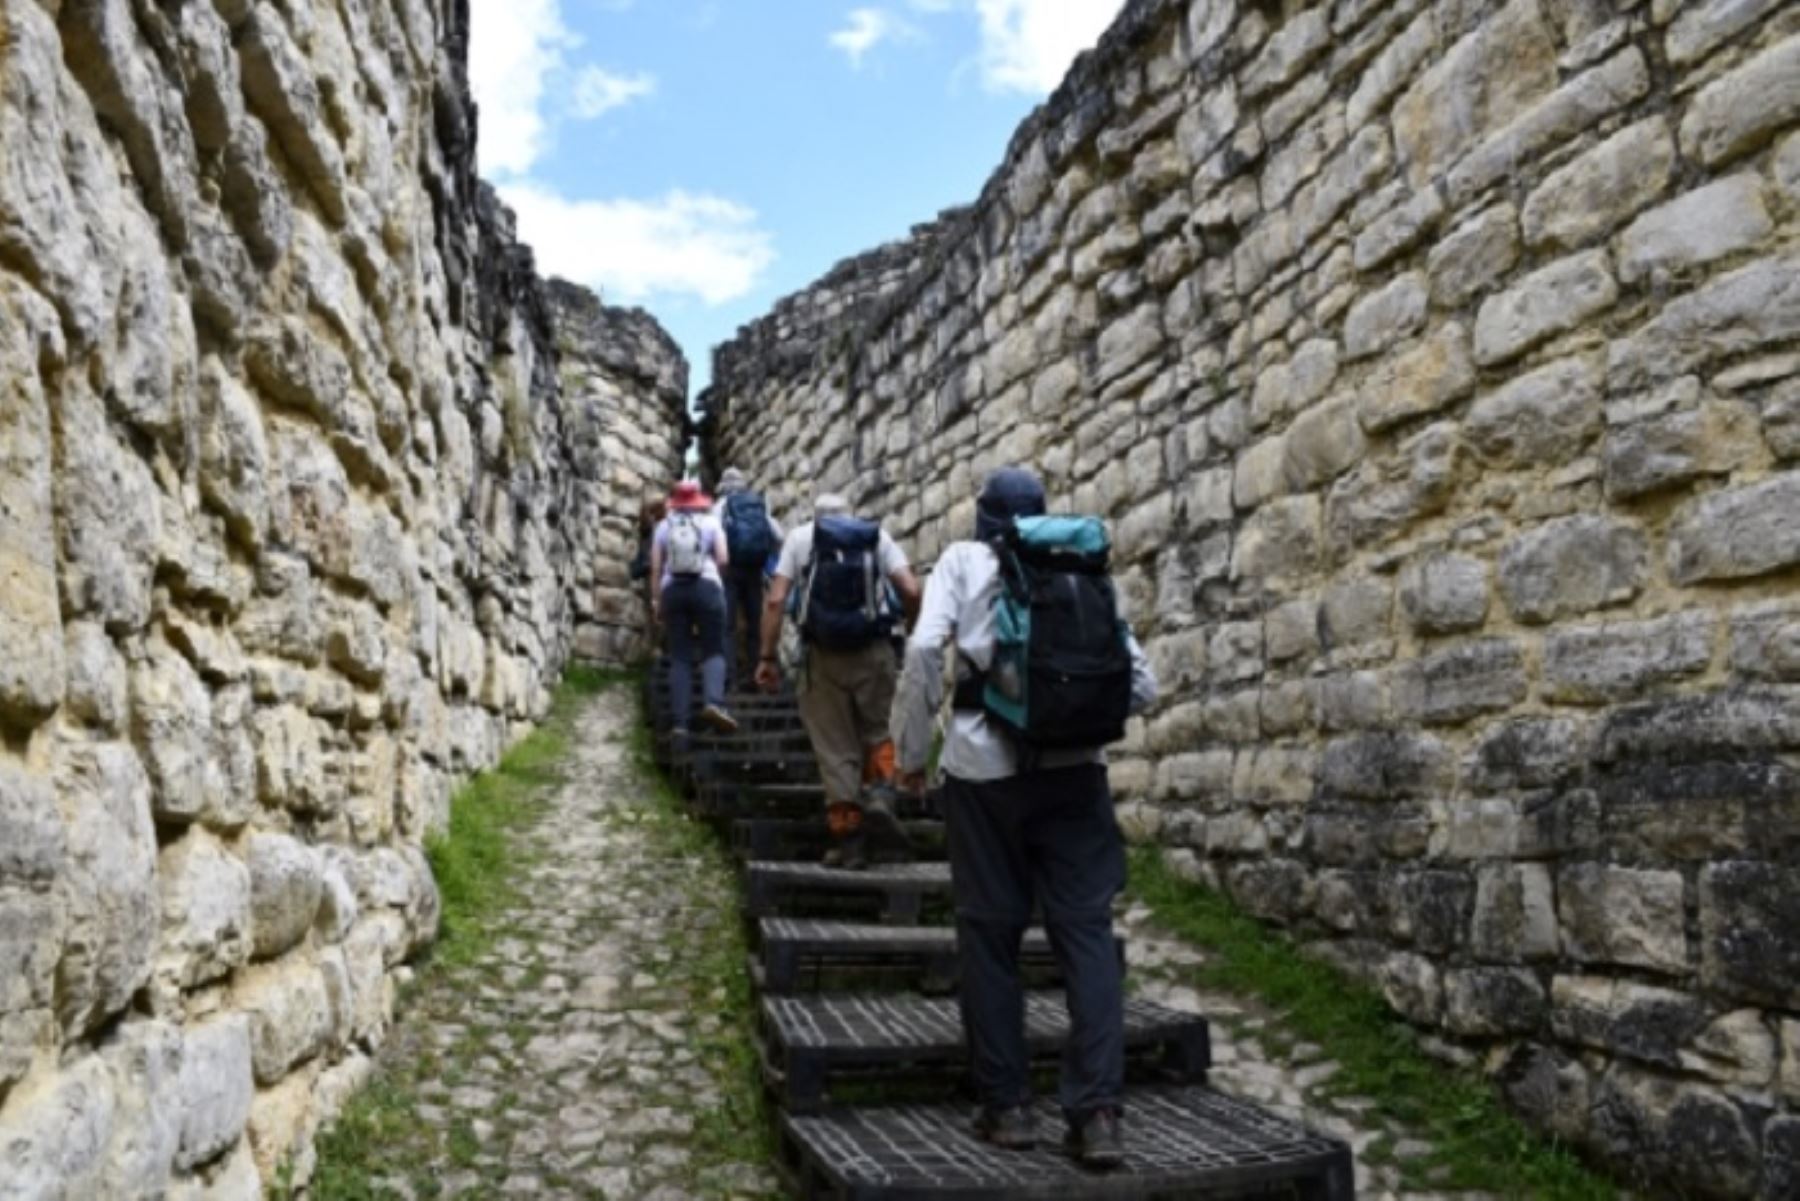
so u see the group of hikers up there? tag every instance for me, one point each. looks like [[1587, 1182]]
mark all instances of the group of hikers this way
[[1046, 673]]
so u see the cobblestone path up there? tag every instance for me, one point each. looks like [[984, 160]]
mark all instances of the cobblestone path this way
[[565, 1062]]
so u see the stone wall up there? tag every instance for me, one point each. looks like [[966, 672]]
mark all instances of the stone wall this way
[[294, 517], [1438, 364]]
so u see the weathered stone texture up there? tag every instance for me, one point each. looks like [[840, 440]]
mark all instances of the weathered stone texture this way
[[1448, 426], [309, 488]]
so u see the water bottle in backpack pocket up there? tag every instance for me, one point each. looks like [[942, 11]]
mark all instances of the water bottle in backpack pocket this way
[[686, 546], [845, 604], [1061, 673]]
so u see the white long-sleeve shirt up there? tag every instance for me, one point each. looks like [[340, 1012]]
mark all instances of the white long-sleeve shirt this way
[[959, 608]]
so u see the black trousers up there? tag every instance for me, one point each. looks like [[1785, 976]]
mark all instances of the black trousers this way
[[744, 588], [1044, 838]]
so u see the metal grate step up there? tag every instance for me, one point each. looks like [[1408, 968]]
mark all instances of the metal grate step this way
[[787, 838], [899, 890], [810, 1040], [1182, 1142], [793, 947]]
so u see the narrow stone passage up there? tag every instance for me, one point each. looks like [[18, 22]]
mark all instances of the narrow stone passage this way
[[566, 1061]]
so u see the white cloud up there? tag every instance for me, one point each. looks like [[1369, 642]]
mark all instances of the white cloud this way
[[868, 28], [1027, 45], [680, 244], [598, 91], [515, 46]]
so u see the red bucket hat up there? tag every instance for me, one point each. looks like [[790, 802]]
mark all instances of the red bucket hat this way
[[687, 495]]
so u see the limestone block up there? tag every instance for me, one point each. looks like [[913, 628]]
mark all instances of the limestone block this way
[[1482, 82], [1717, 438], [1356, 700], [31, 671], [1443, 593], [289, 1011], [1419, 380], [205, 893], [107, 517], [1622, 915], [1391, 69], [1292, 386], [1236, 651], [1260, 473], [1301, 155], [1738, 1049], [57, 1144], [1549, 1089], [1736, 532], [1627, 1018], [286, 885], [1702, 28], [1736, 112], [1740, 311], [1386, 315], [1489, 1002], [30, 937], [1382, 498], [1596, 664], [1787, 169], [1578, 105], [1515, 914], [1357, 610], [1386, 765], [1455, 685], [1179, 659], [108, 887], [1274, 775], [290, 760], [1765, 642], [1128, 342], [1191, 775], [1549, 301], [1790, 1058], [281, 89], [1750, 938], [283, 1120], [1781, 419], [96, 677], [1572, 565], [1291, 630], [171, 715], [1323, 442], [1711, 222], [1284, 56], [1413, 985], [1529, 752], [1281, 540], [1465, 261], [234, 453], [1602, 188]]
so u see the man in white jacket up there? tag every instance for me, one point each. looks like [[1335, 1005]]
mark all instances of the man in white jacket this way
[[1020, 834]]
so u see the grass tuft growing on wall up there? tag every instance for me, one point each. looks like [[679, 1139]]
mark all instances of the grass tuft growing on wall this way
[[1475, 1142]]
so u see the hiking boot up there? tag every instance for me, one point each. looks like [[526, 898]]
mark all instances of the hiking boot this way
[[1095, 1140], [721, 721], [1012, 1129], [849, 852], [881, 823]]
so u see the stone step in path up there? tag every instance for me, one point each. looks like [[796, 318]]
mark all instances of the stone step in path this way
[[813, 1039], [1184, 1140]]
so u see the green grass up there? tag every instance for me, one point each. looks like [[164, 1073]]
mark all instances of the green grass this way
[[1476, 1143]]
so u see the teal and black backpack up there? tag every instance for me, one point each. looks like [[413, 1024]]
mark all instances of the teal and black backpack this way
[[1061, 675]]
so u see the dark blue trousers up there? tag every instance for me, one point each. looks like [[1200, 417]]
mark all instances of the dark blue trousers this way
[[694, 614], [1044, 838]]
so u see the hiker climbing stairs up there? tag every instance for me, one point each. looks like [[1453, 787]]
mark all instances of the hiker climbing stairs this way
[[861, 1036]]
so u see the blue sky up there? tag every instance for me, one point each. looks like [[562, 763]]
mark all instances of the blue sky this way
[[703, 158]]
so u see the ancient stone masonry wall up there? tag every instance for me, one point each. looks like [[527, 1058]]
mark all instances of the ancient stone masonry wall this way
[[1438, 364], [293, 515], [624, 383]]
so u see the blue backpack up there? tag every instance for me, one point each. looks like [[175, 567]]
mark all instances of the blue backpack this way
[[845, 603], [1061, 674], [747, 534]]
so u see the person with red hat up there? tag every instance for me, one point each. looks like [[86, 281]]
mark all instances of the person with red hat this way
[[688, 557]]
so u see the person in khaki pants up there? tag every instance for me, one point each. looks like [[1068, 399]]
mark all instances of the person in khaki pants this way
[[843, 569]]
